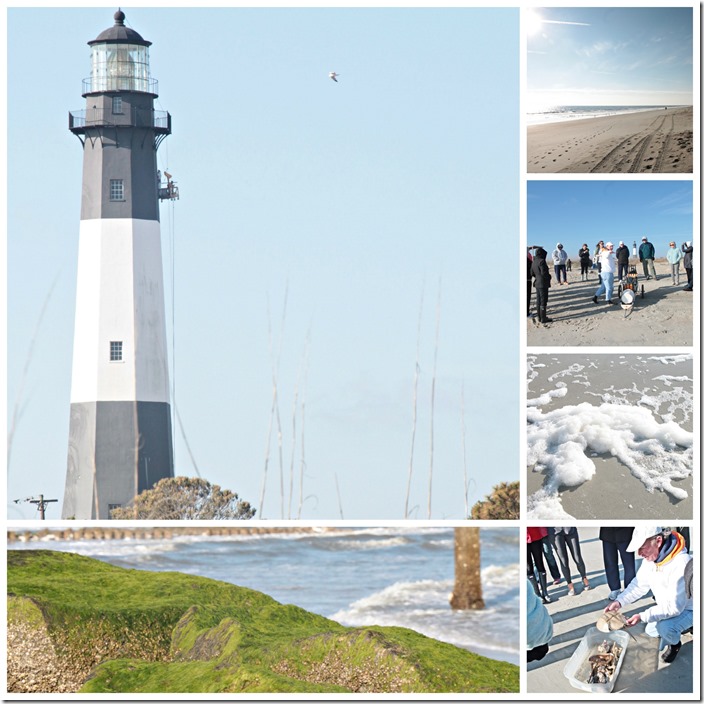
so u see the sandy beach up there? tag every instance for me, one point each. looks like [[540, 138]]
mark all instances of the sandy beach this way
[[663, 316], [652, 141], [642, 670], [610, 436]]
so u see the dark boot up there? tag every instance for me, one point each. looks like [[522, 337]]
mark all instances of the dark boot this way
[[544, 587], [544, 316], [670, 653], [532, 580]]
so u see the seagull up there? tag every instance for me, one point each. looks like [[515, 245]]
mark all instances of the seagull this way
[[333, 75]]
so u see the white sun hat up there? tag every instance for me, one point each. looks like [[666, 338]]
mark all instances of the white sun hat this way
[[641, 534]]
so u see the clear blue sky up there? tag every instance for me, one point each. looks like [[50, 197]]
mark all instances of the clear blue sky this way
[[575, 212], [609, 56], [351, 202]]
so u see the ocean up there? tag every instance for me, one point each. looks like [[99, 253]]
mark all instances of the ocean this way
[[356, 576], [562, 113]]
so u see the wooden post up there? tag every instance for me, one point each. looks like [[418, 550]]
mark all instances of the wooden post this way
[[467, 593]]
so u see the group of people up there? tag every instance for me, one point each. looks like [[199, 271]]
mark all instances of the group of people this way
[[666, 570], [608, 263]]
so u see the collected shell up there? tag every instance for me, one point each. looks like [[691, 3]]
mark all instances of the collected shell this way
[[603, 663], [610, 621]]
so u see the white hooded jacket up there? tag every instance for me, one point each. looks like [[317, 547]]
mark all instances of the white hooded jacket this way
[[667, 584]]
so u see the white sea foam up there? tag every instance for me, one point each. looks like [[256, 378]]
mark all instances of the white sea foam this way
[[548, 396], [656, 453]]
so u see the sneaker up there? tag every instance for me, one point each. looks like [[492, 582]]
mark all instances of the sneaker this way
[[570, 590], [587, 586], [614, 594], [670, 653], [596, 300]]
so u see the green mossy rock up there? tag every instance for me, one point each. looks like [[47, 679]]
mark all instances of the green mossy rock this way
[[116, 630]]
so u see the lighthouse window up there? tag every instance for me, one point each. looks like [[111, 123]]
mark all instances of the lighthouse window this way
[[117, 189], [116, 350], [117, 105]]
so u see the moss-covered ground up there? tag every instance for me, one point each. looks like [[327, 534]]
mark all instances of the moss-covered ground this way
[[118, 630]]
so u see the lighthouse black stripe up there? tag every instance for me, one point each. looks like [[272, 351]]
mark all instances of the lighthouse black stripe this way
[[117, 449]]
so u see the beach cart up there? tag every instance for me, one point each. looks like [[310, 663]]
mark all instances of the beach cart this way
[[628, 289]]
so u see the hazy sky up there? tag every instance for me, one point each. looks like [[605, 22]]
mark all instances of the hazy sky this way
[[609, 56], [575, 212], [338, 214]]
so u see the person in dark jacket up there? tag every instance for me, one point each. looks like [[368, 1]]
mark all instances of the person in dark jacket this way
[[585, 262], [530, 280], [622, 261], [646, 254], [687, 248], [541, 274], [614, 542]]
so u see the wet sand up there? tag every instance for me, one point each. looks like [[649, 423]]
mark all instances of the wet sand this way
[[614, 492], [653, 141], [663, 316]]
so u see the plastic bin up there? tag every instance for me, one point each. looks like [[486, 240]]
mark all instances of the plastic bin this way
[[577, 669]]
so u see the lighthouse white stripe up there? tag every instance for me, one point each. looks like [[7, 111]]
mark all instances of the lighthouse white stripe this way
[[120, 297]]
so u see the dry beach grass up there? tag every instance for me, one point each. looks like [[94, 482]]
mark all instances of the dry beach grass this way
[[652, 141]]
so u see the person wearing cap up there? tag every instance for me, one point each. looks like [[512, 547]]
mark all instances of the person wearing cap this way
[[662, 572], [674, 257], [559, 260], [687, 249], [646, 254], [607, 260], [622, 260]]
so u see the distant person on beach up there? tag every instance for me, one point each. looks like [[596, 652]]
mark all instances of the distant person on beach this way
[[622, 260], [538, 627], [559, 260], [607, 260], [614, 542], [662, 572], [646, 254], [541, 273], [674, 257], [568, 539], [585, 262], [535, 563], [687, 261]]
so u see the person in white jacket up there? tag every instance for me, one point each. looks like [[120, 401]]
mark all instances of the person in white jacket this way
[[662, 572]]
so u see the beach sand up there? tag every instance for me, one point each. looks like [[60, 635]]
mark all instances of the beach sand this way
[[642, 670], [662, 317], [653, 141], [614, 492]]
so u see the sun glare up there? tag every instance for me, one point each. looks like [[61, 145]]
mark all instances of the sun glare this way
[[531, 22]]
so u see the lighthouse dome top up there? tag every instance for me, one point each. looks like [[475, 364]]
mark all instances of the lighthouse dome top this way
[[120, 34]]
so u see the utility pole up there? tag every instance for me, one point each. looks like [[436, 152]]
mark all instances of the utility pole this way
[[40, 502]]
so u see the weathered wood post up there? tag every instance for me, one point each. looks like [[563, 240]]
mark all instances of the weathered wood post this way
[[467, 593]]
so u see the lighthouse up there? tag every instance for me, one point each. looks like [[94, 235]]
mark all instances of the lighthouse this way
[[120, 436]]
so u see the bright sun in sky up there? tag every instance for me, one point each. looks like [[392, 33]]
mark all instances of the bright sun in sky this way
[[533, 22]]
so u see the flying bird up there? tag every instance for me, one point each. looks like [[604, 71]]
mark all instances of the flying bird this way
[[333, 75]]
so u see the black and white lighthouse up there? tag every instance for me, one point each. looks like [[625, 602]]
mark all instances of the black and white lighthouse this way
[[120, 438]]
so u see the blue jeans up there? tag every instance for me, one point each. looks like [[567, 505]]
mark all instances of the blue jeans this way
[[607, 284], [670, 629], [561, 272]]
